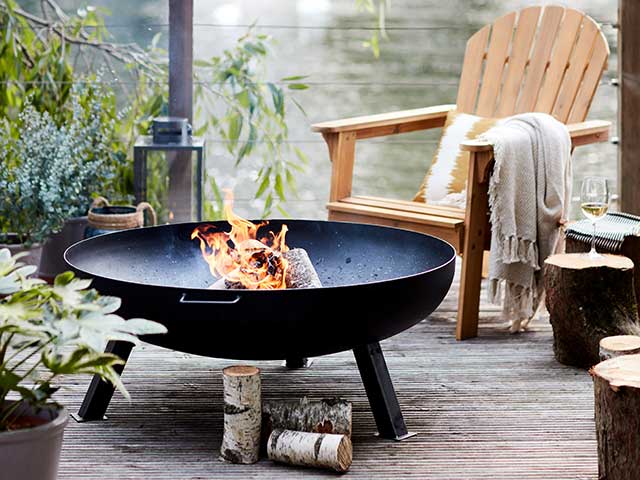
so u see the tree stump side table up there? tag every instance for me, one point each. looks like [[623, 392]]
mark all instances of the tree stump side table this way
[[617, 403], [617, 233], [588, 299]]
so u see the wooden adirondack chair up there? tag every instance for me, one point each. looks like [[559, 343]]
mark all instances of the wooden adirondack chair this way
[[541, 59]]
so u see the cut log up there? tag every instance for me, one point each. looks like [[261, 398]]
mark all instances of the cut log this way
[[617, 403], [319, 450], [301, 273], [611, 347], [242, 414], [319, 416], [588, 299]]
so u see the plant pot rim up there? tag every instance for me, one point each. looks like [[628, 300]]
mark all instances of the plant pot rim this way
[[48, 429], [16, 245], [78, 219]]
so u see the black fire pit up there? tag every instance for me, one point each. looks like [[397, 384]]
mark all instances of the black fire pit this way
[[377, 282]]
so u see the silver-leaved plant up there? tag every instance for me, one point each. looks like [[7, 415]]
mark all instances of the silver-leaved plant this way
[[50, 172]]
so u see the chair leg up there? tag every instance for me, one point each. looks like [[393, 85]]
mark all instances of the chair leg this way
[[469, 299], [476, 228]]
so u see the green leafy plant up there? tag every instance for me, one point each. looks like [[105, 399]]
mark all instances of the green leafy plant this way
[[48, 331], [377, 8], [253, 118], [50, 172], [42, 56]]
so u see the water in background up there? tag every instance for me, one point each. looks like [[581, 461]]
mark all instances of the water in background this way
[[419, 66]]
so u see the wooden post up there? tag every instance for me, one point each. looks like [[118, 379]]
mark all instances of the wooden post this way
[[629, 105], [180, 103], [242, 414], [617, 403]]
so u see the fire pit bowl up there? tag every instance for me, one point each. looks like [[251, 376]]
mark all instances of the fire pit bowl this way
[[377, 282]]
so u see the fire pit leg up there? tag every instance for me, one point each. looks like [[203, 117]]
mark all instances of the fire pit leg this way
[[379, 388], [297, 362], [99, 393]]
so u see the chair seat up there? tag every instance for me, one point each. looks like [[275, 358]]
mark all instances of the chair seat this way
[[446, 223]]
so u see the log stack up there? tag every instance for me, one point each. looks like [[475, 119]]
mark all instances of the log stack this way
[[588, 299], [300, 272], [617, 407]]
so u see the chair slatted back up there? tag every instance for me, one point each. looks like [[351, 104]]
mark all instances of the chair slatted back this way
[[541, 59]]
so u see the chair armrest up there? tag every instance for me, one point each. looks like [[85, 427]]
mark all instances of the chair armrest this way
[[388, 123], [583, 133]]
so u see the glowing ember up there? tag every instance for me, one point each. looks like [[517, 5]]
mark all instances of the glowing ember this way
[[239, 256]]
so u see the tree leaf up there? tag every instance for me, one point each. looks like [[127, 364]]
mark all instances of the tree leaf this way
[[297, 86]]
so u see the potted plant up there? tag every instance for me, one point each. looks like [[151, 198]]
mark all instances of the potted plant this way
[[46, 332], [53, 171]]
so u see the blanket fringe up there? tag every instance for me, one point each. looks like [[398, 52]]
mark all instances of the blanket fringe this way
[[519, 250], [520, 303]]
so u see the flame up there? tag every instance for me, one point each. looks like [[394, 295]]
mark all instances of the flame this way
[[239, 257]]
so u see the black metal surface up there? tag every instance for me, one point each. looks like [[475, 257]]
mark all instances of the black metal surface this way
[[378, 281], [380, 392], [98, 396]]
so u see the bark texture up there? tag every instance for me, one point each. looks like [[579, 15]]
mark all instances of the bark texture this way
[[611, 347], [617, 403], [301, 272], [587, 301], [320, 416], [319, 450], [242, 414]]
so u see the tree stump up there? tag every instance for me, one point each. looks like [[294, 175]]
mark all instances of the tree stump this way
[[320, 450], [617, 395], [319, 416], [611, 347], [242, 414], [588, 299]]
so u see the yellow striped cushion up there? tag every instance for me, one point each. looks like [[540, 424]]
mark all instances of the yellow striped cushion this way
[[446, 180]]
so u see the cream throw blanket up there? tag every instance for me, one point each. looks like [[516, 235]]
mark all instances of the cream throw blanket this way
[[529, 190]]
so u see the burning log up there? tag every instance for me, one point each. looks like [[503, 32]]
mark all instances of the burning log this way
[[242, 414], [320, 450], [611, 347], [321, 416], [617, 393], [300, 271]]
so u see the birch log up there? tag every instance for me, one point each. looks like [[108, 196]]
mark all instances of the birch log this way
[[617, 395], [588, 299], [242, 414], [320, 450], [301, 273], [611, 347], [331, 415]]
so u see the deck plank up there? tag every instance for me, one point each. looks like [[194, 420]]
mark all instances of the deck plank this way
[[495, 407]]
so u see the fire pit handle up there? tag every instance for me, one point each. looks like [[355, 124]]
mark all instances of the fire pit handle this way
[[183, 299]]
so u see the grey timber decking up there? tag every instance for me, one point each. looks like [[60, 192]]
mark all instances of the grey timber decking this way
[[495, 407]]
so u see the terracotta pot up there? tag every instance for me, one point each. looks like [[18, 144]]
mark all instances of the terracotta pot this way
[[52, 262], [33, 453], [105, 218], [33, 252]]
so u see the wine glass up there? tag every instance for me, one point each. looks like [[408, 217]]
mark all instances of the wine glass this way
[[594, 202]]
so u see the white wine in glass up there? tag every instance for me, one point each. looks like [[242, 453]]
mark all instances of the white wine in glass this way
[[594, 202]]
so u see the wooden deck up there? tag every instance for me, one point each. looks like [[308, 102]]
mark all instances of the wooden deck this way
[[496, 407]]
